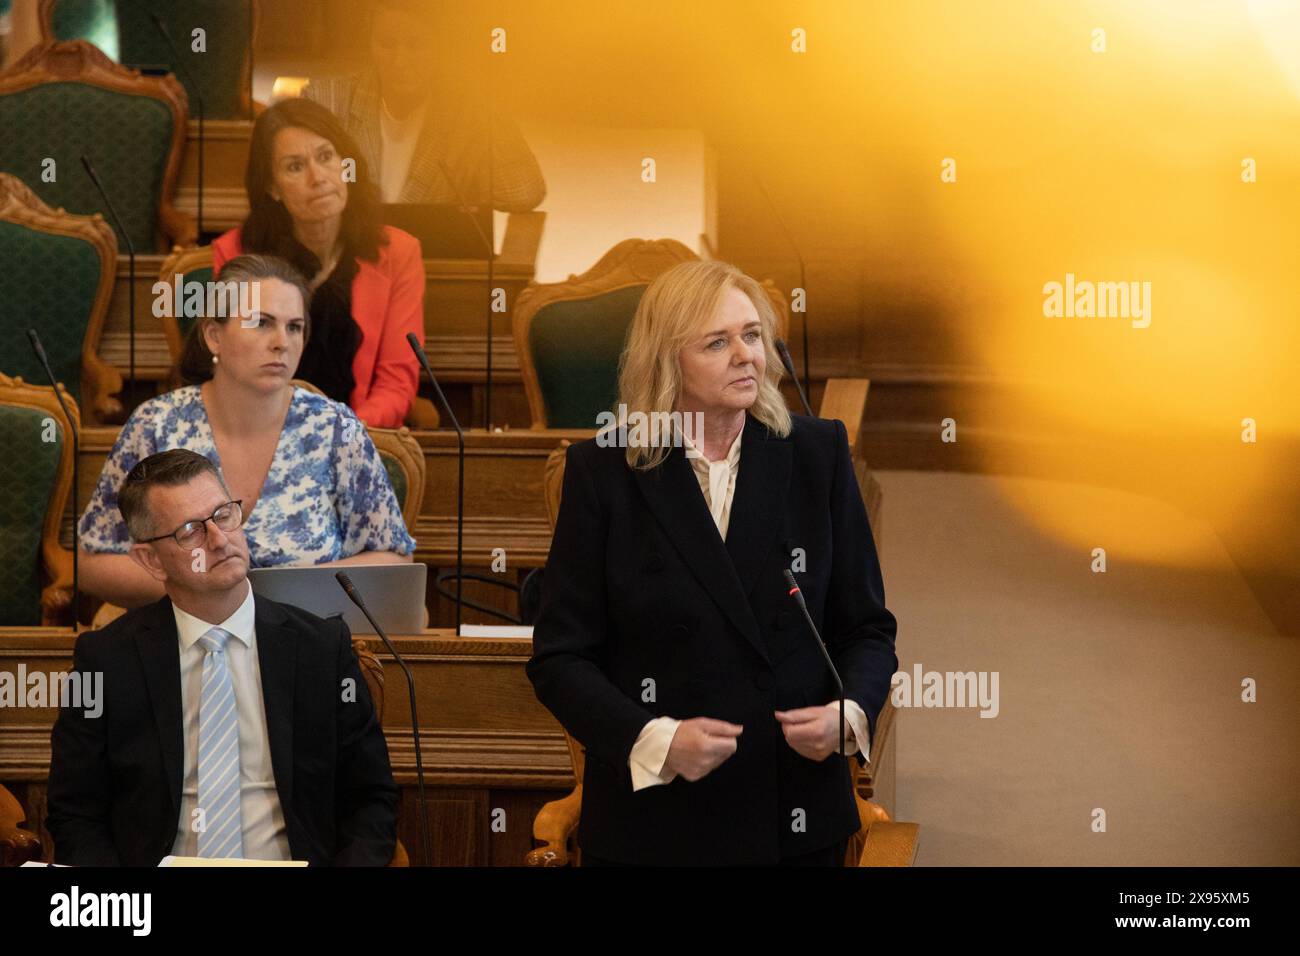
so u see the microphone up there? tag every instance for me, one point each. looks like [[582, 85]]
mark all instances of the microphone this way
[[39, 349], [418, 349], [789, 367], [355, 596], [198, 97], [491, 267], [835, 675], [130, 254], [803, 279]]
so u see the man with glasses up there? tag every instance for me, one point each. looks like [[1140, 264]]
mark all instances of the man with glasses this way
[[233, 727]]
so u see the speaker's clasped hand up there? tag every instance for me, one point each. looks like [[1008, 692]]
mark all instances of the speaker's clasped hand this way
[[700, 746], [812, 732]]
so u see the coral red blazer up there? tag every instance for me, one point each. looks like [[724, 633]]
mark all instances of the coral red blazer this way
[[387, 302]]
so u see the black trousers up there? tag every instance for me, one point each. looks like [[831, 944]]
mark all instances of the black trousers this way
[[832, 855]]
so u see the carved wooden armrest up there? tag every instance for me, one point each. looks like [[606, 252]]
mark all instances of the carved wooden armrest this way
[[555, 823], [180, 227], [17, 846], [400, 857], [890, 844], [423, 414]]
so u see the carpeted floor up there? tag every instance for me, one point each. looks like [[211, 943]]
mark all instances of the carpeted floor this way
[[1117, 692]]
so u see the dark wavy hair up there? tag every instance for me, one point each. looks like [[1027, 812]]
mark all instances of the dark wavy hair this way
[[327, 360]]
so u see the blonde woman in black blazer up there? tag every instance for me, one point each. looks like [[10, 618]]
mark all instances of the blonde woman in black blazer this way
[[667, 642]]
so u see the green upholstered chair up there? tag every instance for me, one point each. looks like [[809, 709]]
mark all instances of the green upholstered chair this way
[[223, 71], [60, 267], [63, 100], [569, 335], [404, 461], [193, 264], [35, 481]]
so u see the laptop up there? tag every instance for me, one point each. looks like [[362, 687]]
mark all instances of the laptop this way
[[394, 593], [445, 231]]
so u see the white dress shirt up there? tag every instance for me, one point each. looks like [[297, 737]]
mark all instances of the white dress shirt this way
[[397, 142], [262, 819], [718, 485]]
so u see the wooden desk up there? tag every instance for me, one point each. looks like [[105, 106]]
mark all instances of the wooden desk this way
[[488, 744]]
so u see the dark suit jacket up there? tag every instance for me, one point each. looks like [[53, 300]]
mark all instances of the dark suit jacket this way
[[639, 585], [115, 780]]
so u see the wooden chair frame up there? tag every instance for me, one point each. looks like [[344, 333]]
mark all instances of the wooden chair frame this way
[[17, 845], [45, 16], [403, 446], [19, 205], [56, 597], [181, 260], [630, 263], [79, 61]]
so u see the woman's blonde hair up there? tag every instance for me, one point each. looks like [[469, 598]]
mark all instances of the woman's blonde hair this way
[[673, 310]]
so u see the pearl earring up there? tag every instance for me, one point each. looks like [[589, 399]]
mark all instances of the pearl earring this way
[[214, 360]]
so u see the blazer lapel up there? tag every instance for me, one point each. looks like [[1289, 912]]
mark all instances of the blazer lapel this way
[[673, 495], [425, 173], [363, 117], [160, 657], [758, 504], [277, 655]]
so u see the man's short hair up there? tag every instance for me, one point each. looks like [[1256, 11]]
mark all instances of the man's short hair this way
[[176, 466]]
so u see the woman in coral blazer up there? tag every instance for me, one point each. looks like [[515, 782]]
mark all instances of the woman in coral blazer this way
[[311, 201]]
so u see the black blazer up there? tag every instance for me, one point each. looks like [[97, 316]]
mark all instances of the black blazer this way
[[115, 780], [639, 585]]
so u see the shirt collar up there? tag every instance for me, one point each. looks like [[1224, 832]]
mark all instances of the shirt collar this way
[[240, 624], [733, 453]]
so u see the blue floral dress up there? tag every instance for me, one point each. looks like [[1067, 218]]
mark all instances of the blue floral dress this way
[[326, 496]]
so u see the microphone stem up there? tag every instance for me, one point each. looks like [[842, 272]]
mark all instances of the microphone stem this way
[[415, 724]]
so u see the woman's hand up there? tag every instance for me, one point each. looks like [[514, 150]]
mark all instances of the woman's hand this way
[[812, 732], [700, 746]]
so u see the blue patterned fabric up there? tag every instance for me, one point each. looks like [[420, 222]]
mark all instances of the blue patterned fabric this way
[[326, 496]]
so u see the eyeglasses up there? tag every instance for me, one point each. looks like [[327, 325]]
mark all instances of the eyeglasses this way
[[194, 534]]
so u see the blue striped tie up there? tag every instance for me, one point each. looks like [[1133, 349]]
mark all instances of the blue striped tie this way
[[222, 834]]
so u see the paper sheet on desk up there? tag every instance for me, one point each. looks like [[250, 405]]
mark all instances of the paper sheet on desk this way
[[495, 630], [172, 861]]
